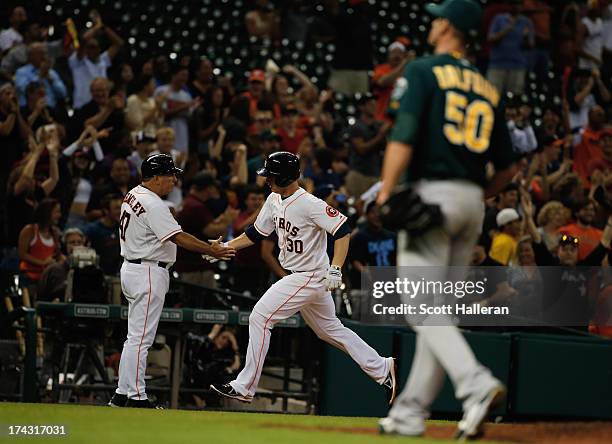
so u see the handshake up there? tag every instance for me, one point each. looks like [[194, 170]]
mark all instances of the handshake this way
[[220, 251]]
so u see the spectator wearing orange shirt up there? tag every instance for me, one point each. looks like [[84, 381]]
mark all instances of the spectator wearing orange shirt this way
[[583, 229], [386, 74], [292, 137], [256, 89], [588, 149]]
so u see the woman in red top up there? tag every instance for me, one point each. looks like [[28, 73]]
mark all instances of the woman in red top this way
[[39, 244]]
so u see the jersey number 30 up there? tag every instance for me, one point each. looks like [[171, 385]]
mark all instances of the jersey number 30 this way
[[469, 125], [124, 221]]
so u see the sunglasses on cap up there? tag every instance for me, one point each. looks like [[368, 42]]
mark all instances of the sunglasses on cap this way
[[566, 239]]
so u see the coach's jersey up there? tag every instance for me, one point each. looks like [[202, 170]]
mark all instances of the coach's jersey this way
[[301, 222], [451, 115], [145, 226]]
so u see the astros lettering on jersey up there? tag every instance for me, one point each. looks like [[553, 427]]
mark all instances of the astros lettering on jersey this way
[[301, 222]]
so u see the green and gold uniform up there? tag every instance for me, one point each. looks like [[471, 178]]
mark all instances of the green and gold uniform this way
[[452, 117]]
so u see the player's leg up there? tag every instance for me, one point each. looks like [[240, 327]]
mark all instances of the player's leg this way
[[320, 315], [147, 286], [282, 300], [411, 408]]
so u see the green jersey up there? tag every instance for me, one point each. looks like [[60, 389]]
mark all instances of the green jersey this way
[[451, 116]]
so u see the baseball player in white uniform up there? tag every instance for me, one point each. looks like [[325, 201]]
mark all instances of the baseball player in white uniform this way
[[148, 236], [302, 223]]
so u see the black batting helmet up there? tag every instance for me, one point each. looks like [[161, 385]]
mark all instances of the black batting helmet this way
[[283, 166], [158, 165]]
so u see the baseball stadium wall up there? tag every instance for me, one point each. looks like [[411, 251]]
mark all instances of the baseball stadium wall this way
[[548, 376]]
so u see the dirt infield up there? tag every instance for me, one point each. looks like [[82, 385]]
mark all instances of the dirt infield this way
[[531, 433]]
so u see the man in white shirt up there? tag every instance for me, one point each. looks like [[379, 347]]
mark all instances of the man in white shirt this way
[[87, 63], [178, 106], [12, 35]]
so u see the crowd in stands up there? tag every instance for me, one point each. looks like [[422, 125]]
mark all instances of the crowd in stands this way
[[79, 112]]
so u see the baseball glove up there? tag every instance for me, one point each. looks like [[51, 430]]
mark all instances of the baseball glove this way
[[405, 210]]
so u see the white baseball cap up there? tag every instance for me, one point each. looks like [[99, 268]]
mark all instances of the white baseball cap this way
[[397, 45], [506, 216]]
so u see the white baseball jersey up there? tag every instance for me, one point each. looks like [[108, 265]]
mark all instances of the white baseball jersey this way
[[145, 225], [301, 222]]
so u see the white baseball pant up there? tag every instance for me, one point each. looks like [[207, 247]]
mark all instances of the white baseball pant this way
[[145, 287], [304, 292], [441, 349]]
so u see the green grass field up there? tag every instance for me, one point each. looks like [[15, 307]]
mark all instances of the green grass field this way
[[91, 425]]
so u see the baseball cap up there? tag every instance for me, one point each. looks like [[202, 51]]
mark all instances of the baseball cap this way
[[257, 75], [397, 45], [463, 14], [506, 216]]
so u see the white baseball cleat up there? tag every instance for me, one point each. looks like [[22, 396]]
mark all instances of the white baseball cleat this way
[[470, 426], [413, 427]]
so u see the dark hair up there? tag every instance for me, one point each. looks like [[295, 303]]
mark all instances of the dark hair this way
[[324, 158], [240, 109], [176, 68], [253, 189], [142, 81], [108, 198], [274, 81], [42, 213]]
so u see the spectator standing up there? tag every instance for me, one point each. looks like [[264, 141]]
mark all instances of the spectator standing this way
[[582, 229], [18, 55], [371, 246], [256, 90], [37, 111], [585, 90], [263, 21], [505, 243], [178, 106], [508, 35], [39, 70], [52, 283], [523, 136], [367, 140], [386, 74], [552, 216], [27, 187], [143, 112], [209, 117], [250, 273], [538, 11], [588, 149], [292, 137], [103, 111], [103, 234], [567, 46], [39, 244], [120, 183], [14, 132], [591, 35], [87, 63], [197, 219], [354, 53], [12, 35]]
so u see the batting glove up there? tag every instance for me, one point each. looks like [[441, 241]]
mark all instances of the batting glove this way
[[333, 278], [210, 259]]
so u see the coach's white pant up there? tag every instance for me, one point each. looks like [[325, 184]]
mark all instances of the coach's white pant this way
[[442, 348], [304, 292], [145, 287]]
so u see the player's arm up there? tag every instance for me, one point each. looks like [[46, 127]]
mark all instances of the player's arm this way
[[192, 243], [397, 159], [242, 241], [341, 248], [409, 98]]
